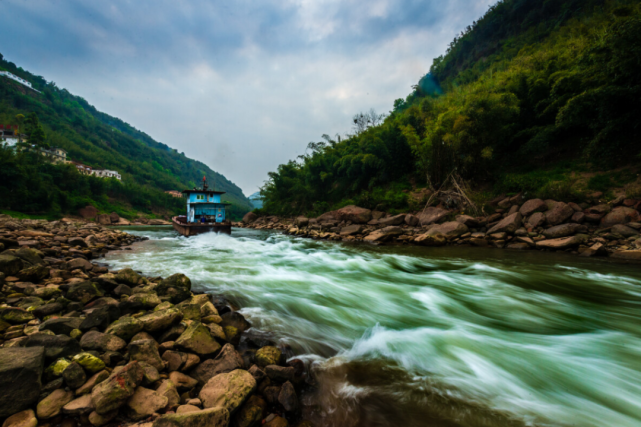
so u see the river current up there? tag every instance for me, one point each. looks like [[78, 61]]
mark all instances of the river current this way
[[408, 336]]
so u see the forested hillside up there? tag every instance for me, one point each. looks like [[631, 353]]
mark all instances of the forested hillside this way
[[535, 96], [148, 168]]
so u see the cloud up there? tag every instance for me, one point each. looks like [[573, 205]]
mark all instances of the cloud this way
[[242, 86]]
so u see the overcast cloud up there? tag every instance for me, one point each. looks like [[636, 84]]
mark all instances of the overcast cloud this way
[[242, 86]]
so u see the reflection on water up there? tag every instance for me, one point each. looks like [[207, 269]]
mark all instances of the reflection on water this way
[[430, 336]]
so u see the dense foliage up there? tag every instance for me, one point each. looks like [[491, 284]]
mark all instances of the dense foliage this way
[[532, 84], [57, 118]]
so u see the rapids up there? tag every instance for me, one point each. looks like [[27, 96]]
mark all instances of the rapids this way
[[407, 336]]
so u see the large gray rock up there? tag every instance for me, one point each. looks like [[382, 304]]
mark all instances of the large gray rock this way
[[532, 206], [564, 230], [52, 405], [620, 215], [392, 220], [112, 393], [26, 418], [168, 389], [384, 234], [467, 220], [81, 405], [83, 292], [177, 287], [55, 345], [146, 351], [624, 230], [226, 361], [228, 390], [61, 325], [160, 320], [353, 213], [562, 243], [351, 230], [74, 375], [197, 339], [449, 229], [558, 214], [508, 224], [20, 378], [430, 240], [10, 265], [97, 341], [144, 403], [287, 397], [214, 417], [125, 328], [432, 215]]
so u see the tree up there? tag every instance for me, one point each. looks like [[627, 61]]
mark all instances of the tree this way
[[19, 121], [363, 121]]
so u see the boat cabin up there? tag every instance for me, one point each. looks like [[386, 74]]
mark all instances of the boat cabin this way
[[205, 206]]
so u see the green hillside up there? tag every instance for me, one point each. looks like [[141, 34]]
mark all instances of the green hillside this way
[[537, 95], [148, 167]]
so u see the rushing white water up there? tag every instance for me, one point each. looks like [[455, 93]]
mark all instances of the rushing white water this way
[[451, 335]]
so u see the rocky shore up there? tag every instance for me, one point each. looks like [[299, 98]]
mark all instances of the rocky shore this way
[[597, 229], [81, 345]]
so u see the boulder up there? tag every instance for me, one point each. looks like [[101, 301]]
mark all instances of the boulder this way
[[103, 219], [599, 210], [31, 256], [168, 389], [79, 263], [78, 406], [112, 393], [564, 230], [144, 403], [624, 230], [83, 292], [88, 212], [128, 277], [250, 217], [620, 215], [15, 315], [61, 325], [267, 355], [125, 328], [74, 375], [183, 382], [432, 215], [161, 320], [89, 362], [55, 345], [562, 243], [145, 351], [197, 339], [508, 224], [228, 390], [411, 220], [183, 409], [100, 420], [26, 418], [384, 234], [287, 397], [301, 221], [214, 417], [177, 287], [10, 265], [97, 341], [578, 217], [560, 213], [279, 373], [536, 220], [114, 217], [351, 230], [235, 319], [392, 220], [51, 405], [226, 361], [353, 213], [101, 317], [20, 378], [35, 274], [252, 412], [77, 241], [467, 220], [449, 229], [430, 240], [532, 206], [140, 300]]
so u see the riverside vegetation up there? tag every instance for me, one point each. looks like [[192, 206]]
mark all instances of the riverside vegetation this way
[[536, 96], [58, 118], [82, 345]]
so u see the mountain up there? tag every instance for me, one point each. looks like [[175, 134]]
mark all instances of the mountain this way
[[539, 96], [148, 167], [256, 200]]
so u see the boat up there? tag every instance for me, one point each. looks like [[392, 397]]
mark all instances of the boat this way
[[205, 213]]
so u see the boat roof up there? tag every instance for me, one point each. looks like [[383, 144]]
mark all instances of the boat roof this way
[[203, 191]]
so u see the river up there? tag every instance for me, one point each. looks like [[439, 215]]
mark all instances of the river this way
[[409, 336]]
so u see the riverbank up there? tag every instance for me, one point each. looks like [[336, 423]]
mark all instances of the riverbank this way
[[599, 229], [81, 344]]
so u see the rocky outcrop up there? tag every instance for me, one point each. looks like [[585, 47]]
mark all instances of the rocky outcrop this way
[[354, 214], [20, 378]]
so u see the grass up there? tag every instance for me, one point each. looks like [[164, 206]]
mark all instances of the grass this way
[[20, 215]]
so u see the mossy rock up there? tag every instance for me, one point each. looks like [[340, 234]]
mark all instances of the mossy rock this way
[[148, 301], [84, 292], [125, 328], [47, 293], [197, 339], [190, 311], [176, 287], [10, 265], [268, 355], [15, 315], [89, 362], [75, 334], [128, 277], [56, 369], [163, 306]]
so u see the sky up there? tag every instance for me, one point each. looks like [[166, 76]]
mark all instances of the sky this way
[[242, 86]]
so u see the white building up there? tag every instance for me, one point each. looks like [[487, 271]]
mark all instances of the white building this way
[[104, 173], [18, 79]]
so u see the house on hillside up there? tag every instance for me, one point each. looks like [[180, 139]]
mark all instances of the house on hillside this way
[[82, 168], [18, 79], [55, 155], [9, 135], [104, 173], [175, 193]]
